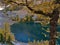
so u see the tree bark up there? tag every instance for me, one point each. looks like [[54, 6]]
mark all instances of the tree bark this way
[[53, 27]]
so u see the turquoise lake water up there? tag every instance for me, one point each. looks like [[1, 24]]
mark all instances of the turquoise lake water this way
[[30, 31]]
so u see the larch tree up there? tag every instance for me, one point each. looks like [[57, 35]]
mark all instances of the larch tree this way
[[54, 15], [53, 21]]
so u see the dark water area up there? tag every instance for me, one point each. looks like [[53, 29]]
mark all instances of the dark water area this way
[[25, 32]]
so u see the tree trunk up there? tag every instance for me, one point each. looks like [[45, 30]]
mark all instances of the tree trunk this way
[[53, 27]]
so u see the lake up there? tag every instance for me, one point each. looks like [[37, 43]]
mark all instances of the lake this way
[[25, 32]]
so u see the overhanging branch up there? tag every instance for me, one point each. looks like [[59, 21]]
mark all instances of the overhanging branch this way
[[37, 12]]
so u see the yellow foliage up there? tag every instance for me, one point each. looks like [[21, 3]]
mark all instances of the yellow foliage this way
[[39, 43], [6, 30], [45, 20], [46, 7], [48, 30], [44, 34], [1, 31]]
